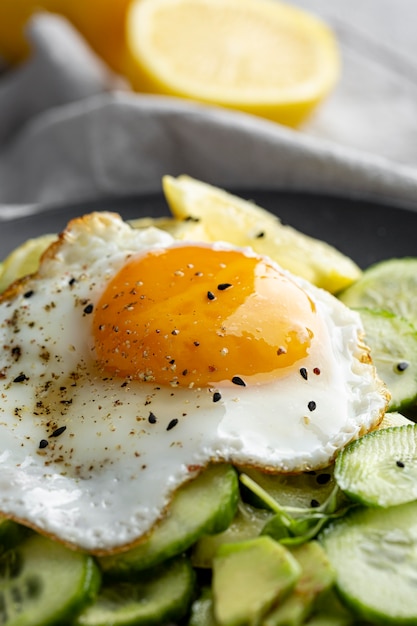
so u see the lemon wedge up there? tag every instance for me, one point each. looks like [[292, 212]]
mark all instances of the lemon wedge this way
[[226, 217], [260, 56], [24, 259]]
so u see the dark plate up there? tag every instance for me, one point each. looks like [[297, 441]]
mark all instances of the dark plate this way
[[365, 230]]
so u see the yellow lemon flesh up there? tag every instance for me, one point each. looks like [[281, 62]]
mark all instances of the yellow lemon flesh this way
[[213, 214], [259, 56]]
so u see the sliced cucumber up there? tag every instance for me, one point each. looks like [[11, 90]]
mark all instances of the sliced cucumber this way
[[43, 583], [380, 469], [389, 285], [393, 343], [205, 505], [160, 595], [374, 554]]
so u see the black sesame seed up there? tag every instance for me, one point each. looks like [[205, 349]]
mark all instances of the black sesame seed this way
[[217, 396], [152, 418], [210, 295], [304, 373], [402, 366], [184, 372], [20, 379], [323, 479], [196, 343], [28, 294], [88, 309], [237, 380], [223, 286], [43, 443], [400, 464], [314, 503], [58, 431], [72, 282], [312, 405], [172, 424]]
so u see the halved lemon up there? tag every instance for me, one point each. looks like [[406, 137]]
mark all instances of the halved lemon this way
[[260, 56]]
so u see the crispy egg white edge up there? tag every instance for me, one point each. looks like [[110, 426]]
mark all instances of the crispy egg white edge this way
[[93, 507]]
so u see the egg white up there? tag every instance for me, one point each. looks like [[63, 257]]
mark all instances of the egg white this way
[[81, 460]]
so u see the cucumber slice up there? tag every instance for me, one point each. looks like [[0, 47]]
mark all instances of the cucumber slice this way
[[380, 469], [393, 343], [205, 505], [44, 583], [389, 285], [160, 595], [374, 554]]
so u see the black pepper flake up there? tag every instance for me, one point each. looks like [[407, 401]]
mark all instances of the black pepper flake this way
[[314, 503], [196, 343], [28, 294], [260, 235], [224, 286], [72, 282], [237, 380], [400, 464], [20, 379], [210, 295], [304, 373], [172, 424], [152, 418], [323, 479], [172, 362], [57, 432], [43, 443], [316, 371], [88, 309], [184, 372], [312, 405], [217, 396], [191, 218], [402, 366]]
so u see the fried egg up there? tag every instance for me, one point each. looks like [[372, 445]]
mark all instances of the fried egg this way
[[130, 361]]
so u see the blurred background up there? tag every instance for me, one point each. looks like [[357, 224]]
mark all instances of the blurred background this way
[[370, 105]]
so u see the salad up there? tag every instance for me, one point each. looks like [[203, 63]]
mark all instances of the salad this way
[[239, 546]]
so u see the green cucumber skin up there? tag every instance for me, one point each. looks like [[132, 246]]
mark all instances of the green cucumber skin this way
[[393, 340], [57, 596], [389, 285], [380, 469], [368, 548], [180, 529], [160, 596]]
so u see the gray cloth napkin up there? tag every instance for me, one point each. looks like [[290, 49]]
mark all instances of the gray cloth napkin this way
[[70, 130]]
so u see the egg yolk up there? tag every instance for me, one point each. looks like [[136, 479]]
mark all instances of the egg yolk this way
[[197, 315]]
